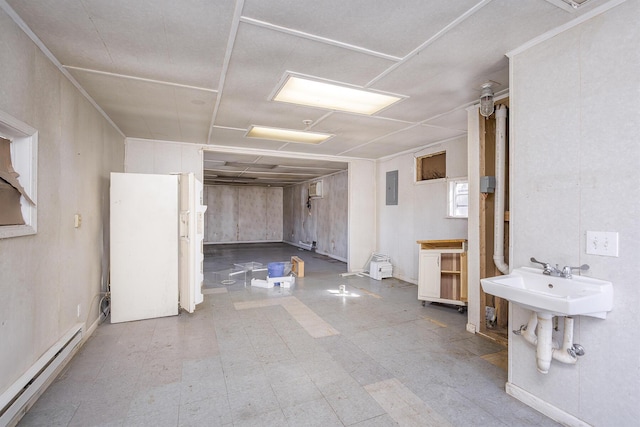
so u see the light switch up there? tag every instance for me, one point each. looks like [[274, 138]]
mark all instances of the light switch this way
[[602, 243], [77, 220]]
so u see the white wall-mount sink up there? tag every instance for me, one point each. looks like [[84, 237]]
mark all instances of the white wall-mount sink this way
[[558, 296]]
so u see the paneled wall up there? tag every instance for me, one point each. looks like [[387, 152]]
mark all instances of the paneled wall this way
[[51, 281], [243, 214], [575, 158], [326, 222]]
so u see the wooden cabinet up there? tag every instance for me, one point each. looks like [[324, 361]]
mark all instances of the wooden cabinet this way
[[442, 275]]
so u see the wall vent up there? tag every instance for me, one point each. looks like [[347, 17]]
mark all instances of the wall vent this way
[[315, 189]]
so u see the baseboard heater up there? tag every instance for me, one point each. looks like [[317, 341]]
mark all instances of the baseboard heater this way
[[17, 399]]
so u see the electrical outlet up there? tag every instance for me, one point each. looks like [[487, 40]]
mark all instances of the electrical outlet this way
[[602, 243]]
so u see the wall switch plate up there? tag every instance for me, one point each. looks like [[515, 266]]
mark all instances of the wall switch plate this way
[[77, 220], [602, 243]]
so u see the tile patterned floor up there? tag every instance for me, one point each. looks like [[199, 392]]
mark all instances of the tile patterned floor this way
[[288, 357]]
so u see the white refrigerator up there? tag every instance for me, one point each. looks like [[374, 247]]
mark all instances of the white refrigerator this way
[[157, 232]]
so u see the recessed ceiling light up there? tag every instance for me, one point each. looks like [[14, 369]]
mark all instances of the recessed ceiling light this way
[[316, 93], [575, 3], [569, 5], [287, 135]]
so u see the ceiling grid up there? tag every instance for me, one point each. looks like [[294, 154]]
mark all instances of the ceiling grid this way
[[204, 72]]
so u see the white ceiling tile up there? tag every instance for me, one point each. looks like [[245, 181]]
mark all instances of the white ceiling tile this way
[[448, 72], [151, 110], [456, 119], [150, 39], [391, 27], [413, 138], [261, 58], [358, 42]]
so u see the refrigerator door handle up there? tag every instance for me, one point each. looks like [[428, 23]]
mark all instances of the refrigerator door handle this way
[[184, 225]]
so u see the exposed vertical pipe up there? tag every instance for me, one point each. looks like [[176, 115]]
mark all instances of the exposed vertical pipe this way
[[500, 193], [529, 334]]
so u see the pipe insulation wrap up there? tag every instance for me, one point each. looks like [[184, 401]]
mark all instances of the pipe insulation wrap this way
[[500, 193], [562, 354], [544, 349], [539, 333]]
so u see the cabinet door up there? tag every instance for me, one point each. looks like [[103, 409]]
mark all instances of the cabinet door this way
[[429, 275]]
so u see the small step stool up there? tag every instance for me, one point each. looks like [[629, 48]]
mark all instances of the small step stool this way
[[297, 266]]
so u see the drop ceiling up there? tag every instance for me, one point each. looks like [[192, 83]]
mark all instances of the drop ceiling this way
[[204, 71]]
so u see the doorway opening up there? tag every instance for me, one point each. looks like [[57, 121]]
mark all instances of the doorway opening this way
[[255, 199]]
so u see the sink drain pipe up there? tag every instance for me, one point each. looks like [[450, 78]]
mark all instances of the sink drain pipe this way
[[538, 332]]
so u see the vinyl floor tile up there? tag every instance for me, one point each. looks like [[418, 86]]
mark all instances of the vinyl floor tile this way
[[288, 357]]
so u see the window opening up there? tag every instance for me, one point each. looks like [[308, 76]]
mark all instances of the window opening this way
[[458, 195], [10, 189], [431, 166], [18, 177]]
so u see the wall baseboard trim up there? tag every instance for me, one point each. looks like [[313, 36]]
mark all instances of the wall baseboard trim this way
[[243, 242], [50, 365], [298, 245], [405, 279], [544, 407], [91, 329], [16, 400]]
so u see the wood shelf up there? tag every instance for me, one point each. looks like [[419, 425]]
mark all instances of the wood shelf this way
[[459, 244]]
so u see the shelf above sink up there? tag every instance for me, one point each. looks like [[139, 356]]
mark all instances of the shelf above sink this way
[[530, 289]]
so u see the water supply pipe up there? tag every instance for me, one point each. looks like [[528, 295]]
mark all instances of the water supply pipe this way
[[566, 354], [500, 193], [529, 333]]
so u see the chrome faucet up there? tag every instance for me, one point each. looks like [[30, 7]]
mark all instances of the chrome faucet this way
[[566, 271], [548, 269]]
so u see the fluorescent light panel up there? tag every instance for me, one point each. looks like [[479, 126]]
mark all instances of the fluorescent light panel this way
[[287, 135], [314, 93], [569, 5]]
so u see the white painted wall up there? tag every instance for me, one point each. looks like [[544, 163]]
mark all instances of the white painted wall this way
[[162, 157], [362, 212], [576, 167], [421, 210], [44, 277]]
